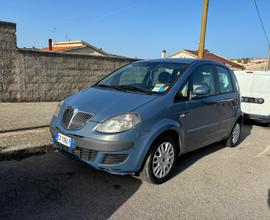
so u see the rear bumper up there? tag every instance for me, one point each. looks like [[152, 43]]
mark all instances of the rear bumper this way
[[258, 118]]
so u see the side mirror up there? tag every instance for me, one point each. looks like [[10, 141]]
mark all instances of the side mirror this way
[[201, 91]]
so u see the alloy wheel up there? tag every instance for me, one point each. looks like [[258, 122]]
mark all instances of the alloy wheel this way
[[163, 160], [236, 133]]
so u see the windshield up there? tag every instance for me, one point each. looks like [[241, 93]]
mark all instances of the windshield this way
[[144, 77]]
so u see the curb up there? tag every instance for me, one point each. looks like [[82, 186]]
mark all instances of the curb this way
[[26, 152], [23, 129]]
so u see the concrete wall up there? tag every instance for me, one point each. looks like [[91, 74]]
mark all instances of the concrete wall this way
[[32, 75], [8, 76]]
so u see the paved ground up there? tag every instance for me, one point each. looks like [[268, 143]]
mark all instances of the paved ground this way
[[211, 183], [16, 116]]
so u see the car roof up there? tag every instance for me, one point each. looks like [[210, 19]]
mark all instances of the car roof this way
[[180, 60]]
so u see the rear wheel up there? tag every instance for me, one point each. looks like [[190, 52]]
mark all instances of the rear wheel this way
[[160, 162], [234, 138]]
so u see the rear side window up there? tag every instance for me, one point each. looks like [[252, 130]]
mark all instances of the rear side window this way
[[236, 85], [224, 80]]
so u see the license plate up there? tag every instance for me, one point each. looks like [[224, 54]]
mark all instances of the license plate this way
[[65, 140]]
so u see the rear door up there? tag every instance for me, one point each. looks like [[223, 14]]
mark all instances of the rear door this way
[[228, 99], [201, 118]]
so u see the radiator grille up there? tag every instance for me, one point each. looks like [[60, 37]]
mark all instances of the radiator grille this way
[[114, 158], [75, 119]]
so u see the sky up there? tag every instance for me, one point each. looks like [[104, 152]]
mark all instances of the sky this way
[[142, 28]]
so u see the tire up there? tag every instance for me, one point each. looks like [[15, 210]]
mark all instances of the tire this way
[[235, 135], [162, 157]]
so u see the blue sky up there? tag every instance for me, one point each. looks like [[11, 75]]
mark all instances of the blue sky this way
[[142, 28]]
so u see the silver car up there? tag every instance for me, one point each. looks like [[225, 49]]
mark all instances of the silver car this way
[[139, 119]]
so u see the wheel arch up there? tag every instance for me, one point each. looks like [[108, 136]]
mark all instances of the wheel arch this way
[[171, 132]]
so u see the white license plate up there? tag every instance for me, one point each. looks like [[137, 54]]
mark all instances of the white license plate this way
[[65, 140]]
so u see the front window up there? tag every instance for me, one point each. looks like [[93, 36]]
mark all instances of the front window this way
[[201, 76], [144, 77]]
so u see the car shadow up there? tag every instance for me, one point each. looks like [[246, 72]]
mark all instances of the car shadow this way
[[253, 122], [51, 186], [187, 160], [246, 131]]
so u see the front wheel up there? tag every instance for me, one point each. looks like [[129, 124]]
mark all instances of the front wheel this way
[[234, 138], [160, 162]]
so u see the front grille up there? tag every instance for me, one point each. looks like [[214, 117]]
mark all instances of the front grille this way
[[67, 116], [114, 158], [75, 119], [80, 152]]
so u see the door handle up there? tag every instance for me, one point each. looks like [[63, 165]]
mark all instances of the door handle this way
[[183, 115]]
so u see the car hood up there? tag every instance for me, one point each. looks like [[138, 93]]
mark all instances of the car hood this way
[[105, 103]]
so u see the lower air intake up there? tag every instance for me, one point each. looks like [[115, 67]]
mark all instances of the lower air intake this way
[[114, 158]]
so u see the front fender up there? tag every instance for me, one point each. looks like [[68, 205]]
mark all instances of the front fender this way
[[157, 129]]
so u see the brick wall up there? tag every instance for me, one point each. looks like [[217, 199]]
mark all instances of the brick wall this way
[[32, 75]]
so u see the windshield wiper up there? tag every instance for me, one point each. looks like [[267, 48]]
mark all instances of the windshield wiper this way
[[134, 88], [125, 88]]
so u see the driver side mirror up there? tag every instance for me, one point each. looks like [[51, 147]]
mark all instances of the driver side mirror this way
[[201, 91]]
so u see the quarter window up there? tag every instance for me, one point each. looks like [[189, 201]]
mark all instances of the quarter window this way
[[224, 80]]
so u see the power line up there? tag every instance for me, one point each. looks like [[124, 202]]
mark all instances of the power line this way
[[260, 18], [267, 66]]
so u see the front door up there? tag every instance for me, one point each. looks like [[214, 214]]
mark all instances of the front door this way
[[201, 118]]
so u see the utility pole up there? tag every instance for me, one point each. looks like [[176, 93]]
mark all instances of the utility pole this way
[[203, 29], [268, 60]]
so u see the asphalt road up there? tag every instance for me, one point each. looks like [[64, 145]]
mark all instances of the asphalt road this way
[[210, 183]]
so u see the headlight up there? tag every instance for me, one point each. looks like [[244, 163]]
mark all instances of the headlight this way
[[57, 110], [119, 123]]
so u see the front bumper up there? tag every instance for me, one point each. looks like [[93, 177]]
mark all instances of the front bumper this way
[[119, 154]]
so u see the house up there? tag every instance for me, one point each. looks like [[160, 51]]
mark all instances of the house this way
[[253, 63], [78, 46], [207, 56]]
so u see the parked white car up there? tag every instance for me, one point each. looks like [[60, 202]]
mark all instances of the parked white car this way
[[255, 92]]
